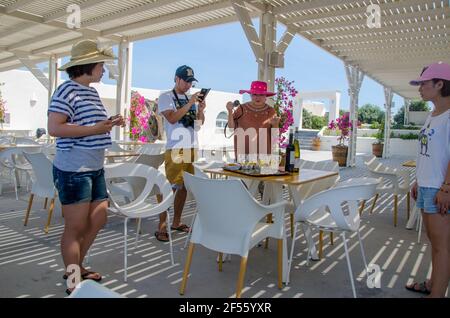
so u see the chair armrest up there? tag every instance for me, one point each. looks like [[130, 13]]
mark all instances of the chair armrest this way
[[274, 206], [406, 176]]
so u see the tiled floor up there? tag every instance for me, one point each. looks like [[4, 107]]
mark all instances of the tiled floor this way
[[31, 265]]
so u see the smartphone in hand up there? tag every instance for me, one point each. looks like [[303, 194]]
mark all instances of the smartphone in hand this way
[[115, 119], [203, 93]]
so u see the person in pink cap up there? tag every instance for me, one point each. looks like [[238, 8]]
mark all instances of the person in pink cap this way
[[432, 187], [252, 120]]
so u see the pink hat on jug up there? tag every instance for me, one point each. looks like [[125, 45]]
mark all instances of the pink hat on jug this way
[[258, 88], [439, 70]]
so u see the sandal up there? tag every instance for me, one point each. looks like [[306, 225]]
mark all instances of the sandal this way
[[162, 236], [181, 228], [68, 291], [97, 277], [84, 276], [422, 288]]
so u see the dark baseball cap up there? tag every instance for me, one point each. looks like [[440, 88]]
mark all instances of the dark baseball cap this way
[[186, 73]]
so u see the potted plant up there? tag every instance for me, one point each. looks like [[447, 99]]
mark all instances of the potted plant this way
[[316, 143], [377, 146], [344, 126]]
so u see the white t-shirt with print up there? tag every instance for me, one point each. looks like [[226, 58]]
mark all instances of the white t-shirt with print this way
[[178, 136], [433, 151]]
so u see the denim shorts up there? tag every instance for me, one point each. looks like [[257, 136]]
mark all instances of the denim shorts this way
[[425, 200], [80, 187]]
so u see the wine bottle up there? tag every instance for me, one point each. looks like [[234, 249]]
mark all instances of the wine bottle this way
[[297, 150], [290, 153]]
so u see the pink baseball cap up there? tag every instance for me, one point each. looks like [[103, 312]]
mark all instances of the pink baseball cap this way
[[439, 70]]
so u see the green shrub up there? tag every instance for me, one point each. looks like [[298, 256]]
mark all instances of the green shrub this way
[[375, 125], [318, 122], [409, 136]]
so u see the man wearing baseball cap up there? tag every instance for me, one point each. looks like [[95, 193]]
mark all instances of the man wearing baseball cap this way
[[432, 187], [182, 113]]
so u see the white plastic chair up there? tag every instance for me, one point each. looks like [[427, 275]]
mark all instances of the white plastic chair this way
[[116, 148], [399, 184], [42, 184], [324, 211], [6, 140], [9, 161], [25, 141], [229, 220], [140, 207], [304, 191], [90, 289], [130, 188], [152, 149], [198, 171]]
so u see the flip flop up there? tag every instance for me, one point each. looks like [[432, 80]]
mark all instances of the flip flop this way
[[85, 276], [162, 236], [97, 279], [422, 288], [181, 228]]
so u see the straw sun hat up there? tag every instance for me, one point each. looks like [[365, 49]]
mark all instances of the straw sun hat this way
[[88, 52]]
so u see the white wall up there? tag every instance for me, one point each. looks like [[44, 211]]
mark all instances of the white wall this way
[[316, 108], [18, 89], [418, 118]]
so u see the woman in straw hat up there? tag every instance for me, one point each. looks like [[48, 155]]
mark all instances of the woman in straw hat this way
[[253, 121], [432, 188], [78, 119]]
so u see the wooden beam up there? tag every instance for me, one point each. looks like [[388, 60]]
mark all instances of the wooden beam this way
[[399, 47], [19, 4], [400, 5], [386, 38], [36, 39], [386, 21], [249, 29], [38, 20], [310, 5], [168, 17], [384, 29], [31, 66], [127, 12], [183, 28], [286, 40], [63, 12]]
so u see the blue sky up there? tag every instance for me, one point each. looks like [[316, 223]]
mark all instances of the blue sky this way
[[222, 60]]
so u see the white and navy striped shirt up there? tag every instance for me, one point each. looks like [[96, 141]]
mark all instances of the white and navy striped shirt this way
[[83, 107]]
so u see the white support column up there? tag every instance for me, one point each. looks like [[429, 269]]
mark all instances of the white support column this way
[[355, 78], [335, 106], [298, 112], [123, 82], [388, 95], [53, 75], [407, 104], [268, 53], [262, 61]]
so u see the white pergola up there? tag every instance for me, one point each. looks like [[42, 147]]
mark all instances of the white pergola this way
[[411, 34]]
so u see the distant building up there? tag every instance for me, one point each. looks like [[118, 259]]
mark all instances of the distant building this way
[[316, 108]]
